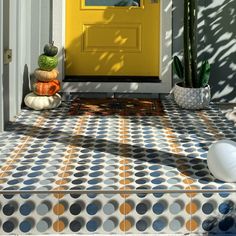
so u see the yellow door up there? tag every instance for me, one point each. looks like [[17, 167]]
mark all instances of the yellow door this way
[[112, 37]]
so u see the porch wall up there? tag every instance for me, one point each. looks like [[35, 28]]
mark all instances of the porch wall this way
[[32, 22], [30, 30], [220, 30], [217, 43]]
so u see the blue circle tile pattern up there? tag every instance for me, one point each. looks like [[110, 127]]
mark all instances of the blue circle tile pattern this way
[[51, 150]]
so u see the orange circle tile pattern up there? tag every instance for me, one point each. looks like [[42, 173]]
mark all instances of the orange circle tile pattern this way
[[58, 226], [191, 208], [59, 209], [125, 225], [125, 208], [191, 225], [63, 149]]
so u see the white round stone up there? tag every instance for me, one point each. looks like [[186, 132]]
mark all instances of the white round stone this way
[[221, 160]]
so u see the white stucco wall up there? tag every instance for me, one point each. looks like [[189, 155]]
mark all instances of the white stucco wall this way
[[29, 31], [220, 47], [217, 43], [26, 29]]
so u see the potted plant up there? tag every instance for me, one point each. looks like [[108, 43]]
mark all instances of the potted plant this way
[[193, 92]]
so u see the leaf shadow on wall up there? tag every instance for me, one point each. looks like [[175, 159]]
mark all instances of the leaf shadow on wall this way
[[220, 31], [216, 43]]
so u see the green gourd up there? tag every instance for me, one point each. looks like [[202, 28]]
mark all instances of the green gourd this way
[[47, 63], [50, 50]]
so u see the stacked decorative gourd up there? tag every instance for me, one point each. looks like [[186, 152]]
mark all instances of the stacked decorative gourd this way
[[45, 89]]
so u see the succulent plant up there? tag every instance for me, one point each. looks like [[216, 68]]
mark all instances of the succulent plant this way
[[188, 70]]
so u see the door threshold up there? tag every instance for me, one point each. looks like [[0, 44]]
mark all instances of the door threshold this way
[[113, 79]]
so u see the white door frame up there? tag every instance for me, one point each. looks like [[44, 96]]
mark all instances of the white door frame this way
[[165, 56], [1, 68], [10, 78], [4, 78]]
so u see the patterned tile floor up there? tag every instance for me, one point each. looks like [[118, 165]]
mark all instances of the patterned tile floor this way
[[52, 150]]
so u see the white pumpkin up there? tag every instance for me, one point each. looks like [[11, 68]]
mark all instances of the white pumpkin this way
[[42, 102]]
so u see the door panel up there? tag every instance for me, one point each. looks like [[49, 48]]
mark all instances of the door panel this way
[[94, 39], [112, 37]]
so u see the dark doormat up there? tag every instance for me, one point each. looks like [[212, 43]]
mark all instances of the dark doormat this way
[[116, 106]]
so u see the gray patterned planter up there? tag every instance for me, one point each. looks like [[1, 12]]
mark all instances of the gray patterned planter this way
[[192, 98]]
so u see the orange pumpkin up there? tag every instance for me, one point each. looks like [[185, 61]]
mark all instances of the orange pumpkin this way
[[46, 88], [46, 76]]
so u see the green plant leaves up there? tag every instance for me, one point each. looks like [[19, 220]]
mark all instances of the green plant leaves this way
[[204, 74], [178, 67]]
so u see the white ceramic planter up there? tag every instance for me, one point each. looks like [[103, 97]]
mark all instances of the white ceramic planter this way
[[192, 98]]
